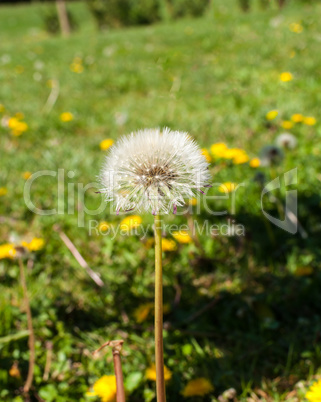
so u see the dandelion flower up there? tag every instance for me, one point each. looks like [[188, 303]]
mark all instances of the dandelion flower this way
[[103, 226], [297, 118], [182, 236], [151, 373], [153, 170], [131, 222], [287, 124], [227, 187], [206, 155], [192, 201], [105, 388], [314, 393], [197, 387], [218, 149], [286, 140], [241, 158], [66, 116], [105, 144], [7, 251], [296, 27], [309, 121], [142, 312], [286, 76], [271, 155], [26, 175], [272, 114], [255, 162], [36, 244], [168, 245], [3, 191]]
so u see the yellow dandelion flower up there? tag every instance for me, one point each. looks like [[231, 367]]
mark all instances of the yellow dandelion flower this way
[[255, 162], [314, 393], [105, 144], [151, 373], [297, 118], [272, 114], [3, 191], [197, 387], [142, 312], [227, 187], [66, 116], [7, 251], [105, 388], [218, 149], [182, 236], [240, 158], [206, 155], [286, 76], [36, 244], [192, 201], [19, 128], [309, 121], [103, 226], [76, 67], [168, 245], [131, 222], [233, 153], [296, 27], [26, 175], [287, 124]]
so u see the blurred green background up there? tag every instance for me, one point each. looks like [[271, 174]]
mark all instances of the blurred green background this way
[[241, 311]]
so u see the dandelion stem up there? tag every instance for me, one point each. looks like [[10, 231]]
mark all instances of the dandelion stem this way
[[159, 358], [31, 341]]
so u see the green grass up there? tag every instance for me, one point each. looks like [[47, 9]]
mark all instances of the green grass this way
[[216, 78]]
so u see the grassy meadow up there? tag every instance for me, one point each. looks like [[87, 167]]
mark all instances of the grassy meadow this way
[[244, 312]]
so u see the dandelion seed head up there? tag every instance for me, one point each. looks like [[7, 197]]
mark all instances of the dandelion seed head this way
[[286, 140], [271, 155], [153, 170]]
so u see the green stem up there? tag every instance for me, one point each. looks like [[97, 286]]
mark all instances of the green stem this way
[[159, 357]]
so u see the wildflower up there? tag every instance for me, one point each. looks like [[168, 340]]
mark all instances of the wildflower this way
[[66, 116], [142, 312], [131, 222], [206, 155], [192, 201], [240, 158], [197, 387], [169, 245], [26, 175], [105, 388], [218, 149], [182, 236], [272, 114], [76, 67], [105, 144], [296, 27], [271, 155], [309, 121], [17, 127], [151, 373], [255, 162], [297, 118], [287, 124], [103, 226], [286, 76], [314, 393], [7, 251], [227, 187], [286, 140], [3, 191], [153, 170], [14, 371], [36, 244]]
